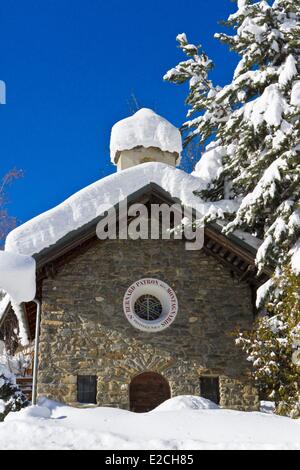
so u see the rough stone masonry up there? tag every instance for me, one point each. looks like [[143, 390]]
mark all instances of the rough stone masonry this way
[[84, 329]]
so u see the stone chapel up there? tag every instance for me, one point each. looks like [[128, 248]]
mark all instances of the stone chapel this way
[[130, 323]]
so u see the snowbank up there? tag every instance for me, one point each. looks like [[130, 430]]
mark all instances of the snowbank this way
[[145, 128], [17, 276], [186, 402], [109, 428], [84, 206]]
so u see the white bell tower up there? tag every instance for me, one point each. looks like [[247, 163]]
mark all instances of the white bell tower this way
[[144, 137]]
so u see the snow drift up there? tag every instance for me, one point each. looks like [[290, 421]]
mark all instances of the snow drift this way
[[186, 402]]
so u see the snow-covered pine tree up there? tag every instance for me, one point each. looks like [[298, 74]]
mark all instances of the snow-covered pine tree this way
[[259, 139], [257, 151], [265, 131], [11, 397], [272, 346], [201, 98], [262, 137]]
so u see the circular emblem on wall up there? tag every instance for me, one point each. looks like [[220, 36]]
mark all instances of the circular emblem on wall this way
[[150, 305]]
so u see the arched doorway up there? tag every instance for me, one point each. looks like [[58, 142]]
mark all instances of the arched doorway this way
[[147, 391]]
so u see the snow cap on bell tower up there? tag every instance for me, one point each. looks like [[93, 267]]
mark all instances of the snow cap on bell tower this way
[[144, 137]]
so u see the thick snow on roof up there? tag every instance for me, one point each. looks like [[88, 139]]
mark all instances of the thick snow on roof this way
[[18, 279], [145, 128], [86, 205], [4, 303], [210, 164], [17, 276]]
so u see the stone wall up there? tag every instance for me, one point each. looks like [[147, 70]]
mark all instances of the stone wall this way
[[84, 329]]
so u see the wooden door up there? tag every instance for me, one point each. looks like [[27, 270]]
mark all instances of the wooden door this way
[[147, 391]]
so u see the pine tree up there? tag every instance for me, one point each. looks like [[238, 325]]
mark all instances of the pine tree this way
[[272, 348], [264, 166], [201, 98], [11, 397], [260, 136], [255, 153]]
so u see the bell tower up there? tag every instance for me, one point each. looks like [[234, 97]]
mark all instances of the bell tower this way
[[144, 137]]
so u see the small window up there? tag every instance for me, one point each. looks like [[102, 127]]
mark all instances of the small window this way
[[148, 307], [209, 388], [86, 388]]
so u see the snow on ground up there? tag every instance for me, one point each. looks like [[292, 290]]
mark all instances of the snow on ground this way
[[145, 128], [55, 426]]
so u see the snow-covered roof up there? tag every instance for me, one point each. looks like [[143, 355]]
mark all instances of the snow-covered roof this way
[[18, 279], [145, 128], [86, 206], [17, 276], [91, 202], [4, 303]]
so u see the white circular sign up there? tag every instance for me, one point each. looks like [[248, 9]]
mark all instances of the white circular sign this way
[[159, 299]]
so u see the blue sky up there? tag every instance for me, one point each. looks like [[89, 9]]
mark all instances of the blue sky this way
[[70, 67]]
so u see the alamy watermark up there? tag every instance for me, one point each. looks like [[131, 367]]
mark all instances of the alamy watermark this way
[[2, 92], [151, 221]]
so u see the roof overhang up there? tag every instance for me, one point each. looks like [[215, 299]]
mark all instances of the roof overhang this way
[[213, 231], [230, 250]]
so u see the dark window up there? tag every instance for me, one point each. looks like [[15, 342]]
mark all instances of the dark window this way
[[148, 307], [86, 389], [209, 388]]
